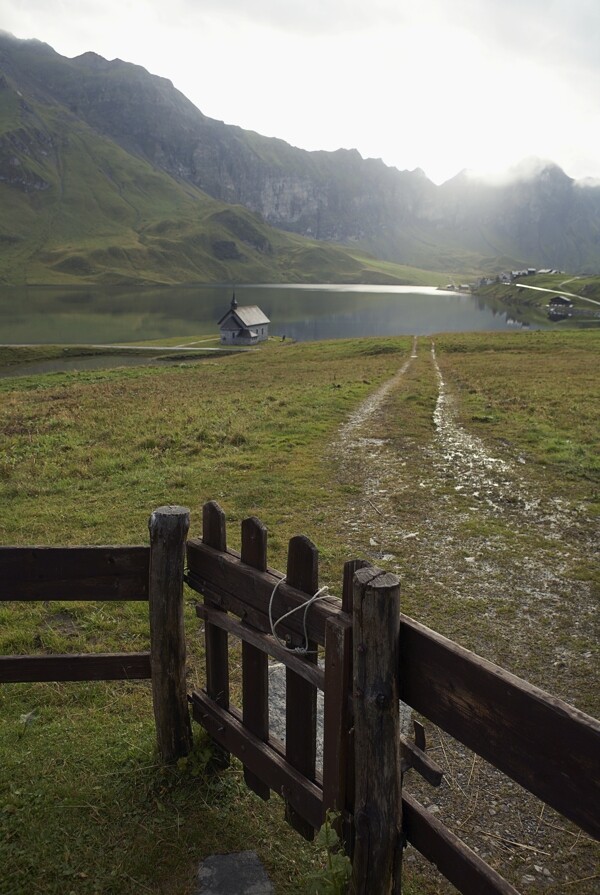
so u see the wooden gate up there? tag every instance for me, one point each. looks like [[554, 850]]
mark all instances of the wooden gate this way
[[372, 656]]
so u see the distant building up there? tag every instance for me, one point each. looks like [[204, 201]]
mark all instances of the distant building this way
[[559, 308], [243, 326]]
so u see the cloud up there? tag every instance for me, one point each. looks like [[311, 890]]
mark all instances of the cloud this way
[[590, 183], [299, 17], [556, 33], [435, 84], [525, 169], [533, 28], [552, 30], [295, 16]]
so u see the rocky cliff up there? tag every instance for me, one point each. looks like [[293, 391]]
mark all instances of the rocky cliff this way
[[542, 219]]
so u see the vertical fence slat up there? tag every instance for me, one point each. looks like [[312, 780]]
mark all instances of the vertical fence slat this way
[[377, 810], [350, 568], [168, 530], [338, 738], [336, 721], [301, 697], [255, 672], [217, 654]]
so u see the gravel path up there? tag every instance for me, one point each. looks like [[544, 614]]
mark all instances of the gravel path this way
[[470, 545]]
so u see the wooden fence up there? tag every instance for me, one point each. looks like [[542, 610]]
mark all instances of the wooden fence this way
[[373, 657], [149, 573]]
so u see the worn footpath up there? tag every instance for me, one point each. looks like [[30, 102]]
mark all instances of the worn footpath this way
[[484, 557]]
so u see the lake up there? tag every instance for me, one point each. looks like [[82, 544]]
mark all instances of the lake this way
[[97, 315]]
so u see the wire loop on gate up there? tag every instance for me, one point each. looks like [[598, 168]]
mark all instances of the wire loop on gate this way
[[321, 594]]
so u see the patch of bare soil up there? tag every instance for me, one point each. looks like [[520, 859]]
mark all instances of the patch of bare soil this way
[[488, 558]]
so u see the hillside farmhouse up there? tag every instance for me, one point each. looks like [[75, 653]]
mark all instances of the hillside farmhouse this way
[[559, 307], [560, 301], [243, 326]]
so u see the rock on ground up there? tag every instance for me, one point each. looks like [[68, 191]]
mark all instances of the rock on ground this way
[[237, 874]]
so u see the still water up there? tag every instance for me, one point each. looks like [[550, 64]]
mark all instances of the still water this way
[[306, 313]]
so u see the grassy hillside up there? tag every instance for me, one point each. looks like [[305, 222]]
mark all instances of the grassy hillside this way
[[583, 291], [86, 457], [75, 207]]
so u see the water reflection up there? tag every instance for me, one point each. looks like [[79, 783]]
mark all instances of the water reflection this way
[[99, 315]]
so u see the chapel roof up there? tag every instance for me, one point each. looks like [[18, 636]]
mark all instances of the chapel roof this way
[[248, 315]]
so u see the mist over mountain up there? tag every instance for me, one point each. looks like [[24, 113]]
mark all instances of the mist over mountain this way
[[537, 217]]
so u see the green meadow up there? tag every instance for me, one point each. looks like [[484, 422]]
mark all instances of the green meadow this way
[[85, 807], [107, 217]]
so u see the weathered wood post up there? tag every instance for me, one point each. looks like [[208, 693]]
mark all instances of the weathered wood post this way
[[377, 859], [168, 530], [255, 664]]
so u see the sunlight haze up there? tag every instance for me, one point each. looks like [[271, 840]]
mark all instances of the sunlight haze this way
[[443, 87]]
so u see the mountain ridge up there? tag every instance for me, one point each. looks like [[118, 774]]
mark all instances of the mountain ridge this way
[[463, 226], [76, 205]]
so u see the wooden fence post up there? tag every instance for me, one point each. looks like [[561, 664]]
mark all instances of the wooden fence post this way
[[168, 530], [378, 798]]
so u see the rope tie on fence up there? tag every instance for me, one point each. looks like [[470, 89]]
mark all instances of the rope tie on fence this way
[[321, 594]]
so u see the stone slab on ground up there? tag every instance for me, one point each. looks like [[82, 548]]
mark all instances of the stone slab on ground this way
[[236, 874]]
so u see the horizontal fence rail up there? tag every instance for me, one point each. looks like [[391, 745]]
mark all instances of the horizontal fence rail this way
[[266, 643], [87, 667], [74, 573], [79, 574], [544, 744], [153, 574], [233, 586], [455, 860], [262, 758]]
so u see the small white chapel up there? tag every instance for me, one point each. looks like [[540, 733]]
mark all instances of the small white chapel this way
[[243, 326]]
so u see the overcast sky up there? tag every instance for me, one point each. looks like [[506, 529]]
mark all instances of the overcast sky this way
[[437, 84]]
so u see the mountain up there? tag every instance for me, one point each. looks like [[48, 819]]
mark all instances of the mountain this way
[[78, 204], [538, 215], [175, 184]]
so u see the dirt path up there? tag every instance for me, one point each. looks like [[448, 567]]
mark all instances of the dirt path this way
[[489, 561]]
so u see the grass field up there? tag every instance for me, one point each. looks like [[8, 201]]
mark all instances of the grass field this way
[[84, 806]]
